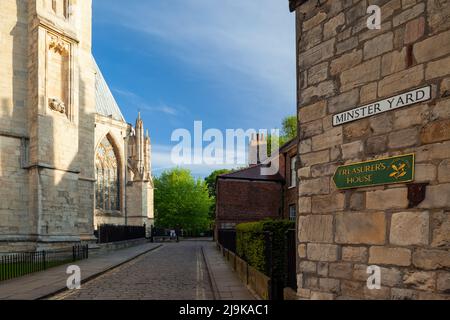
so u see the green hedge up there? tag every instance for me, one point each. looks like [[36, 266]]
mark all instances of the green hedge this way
[[251, 247]]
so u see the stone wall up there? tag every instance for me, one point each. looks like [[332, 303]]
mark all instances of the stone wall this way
[[341, 65]]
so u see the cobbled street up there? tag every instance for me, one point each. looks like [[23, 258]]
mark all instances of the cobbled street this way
[[175, 271]]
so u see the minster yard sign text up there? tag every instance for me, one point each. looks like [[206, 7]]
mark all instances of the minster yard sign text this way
[[392, 170], [399, 101]]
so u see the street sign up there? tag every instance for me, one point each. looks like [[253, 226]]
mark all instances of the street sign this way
[[396, 102], [399, 169]]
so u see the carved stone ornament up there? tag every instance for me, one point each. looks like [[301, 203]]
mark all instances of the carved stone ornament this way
[[57, 105], [59, 45]]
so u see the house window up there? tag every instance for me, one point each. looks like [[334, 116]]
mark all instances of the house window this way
[[293, 175], [292, 212], [107, 191]]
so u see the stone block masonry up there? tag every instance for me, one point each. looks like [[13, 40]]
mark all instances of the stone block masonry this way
[[343, 65]]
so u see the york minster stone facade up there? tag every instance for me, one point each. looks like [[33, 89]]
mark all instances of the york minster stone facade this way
[[68, 159], [402, 228]]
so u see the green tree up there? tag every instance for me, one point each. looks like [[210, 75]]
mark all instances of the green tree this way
[[211, 183], [181, 201], [288, 132]]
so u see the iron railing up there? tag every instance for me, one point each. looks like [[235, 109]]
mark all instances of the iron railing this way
[[227, 238], [107, 233], [291, 250], [13, 265]]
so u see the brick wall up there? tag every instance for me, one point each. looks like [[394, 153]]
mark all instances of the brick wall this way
[[244, 201], [341, 65]]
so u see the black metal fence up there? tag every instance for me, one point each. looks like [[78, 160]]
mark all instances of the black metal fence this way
[[18, 264], [107, 233], [227, 238], [291, 250]]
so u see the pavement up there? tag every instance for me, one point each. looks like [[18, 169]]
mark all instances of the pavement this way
[[188, 270]]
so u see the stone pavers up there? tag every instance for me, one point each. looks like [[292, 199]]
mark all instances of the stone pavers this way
[[175, 271], [225, 282], [42, 284]]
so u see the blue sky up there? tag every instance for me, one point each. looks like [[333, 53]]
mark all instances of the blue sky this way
[[228, 63]]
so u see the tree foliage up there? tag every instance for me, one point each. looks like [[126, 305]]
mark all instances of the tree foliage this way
[[288, 132], [181, 201], [211, 183]]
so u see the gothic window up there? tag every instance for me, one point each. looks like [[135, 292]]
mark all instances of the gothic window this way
[[107, 191]]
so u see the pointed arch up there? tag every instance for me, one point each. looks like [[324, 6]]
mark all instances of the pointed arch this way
[[107, 174]]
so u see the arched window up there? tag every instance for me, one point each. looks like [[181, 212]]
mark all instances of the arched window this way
[[107, 191]]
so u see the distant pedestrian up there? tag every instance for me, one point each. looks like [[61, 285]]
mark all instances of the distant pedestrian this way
[[173, 234]]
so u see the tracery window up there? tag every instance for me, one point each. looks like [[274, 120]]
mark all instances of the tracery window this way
[[107, 191]]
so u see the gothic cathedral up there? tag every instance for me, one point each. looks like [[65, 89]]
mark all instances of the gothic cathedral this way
[[69, 161]]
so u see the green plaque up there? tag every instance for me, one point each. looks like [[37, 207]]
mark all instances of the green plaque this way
[[392, 170]]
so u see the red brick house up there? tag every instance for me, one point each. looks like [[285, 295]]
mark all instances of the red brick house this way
[[246, 195]]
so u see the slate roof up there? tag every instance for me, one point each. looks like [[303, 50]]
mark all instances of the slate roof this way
[[252, 173], [105, 104]]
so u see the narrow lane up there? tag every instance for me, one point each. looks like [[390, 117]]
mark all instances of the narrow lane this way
[[176, 271]]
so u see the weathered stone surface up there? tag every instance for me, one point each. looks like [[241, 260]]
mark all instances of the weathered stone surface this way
[[331, 27], [308, 266], [304, 205], [361, 228], [444, 171], [311, 38], [322, 269], [378, 45], [411, 116], [408, 14], [442, 109], [438, 15], [394, 61], [323, 90], [341, 270], [425, 173], [357, 201], [389, 8], [368, 93], [410, 228], [403, 294], [315, 228], [366, 72], [346, 62], [437, 197], [301, 250], [443, 282], [312, 158], [396, 198], [344, 101], [435, 132], [329, 285], [316, 295], [352, 150], [329, 203], [357, 129], [440, 225], [400, 81], [436, 151], [352, 289], [432, 48], [322, 252], [404, 138], [346, 45], [318, 73], [312, 112], [376, 145], [378, 294], [438, 69], [317, 54], [314, 186], [420, 280], [355, 254], [305, 146], [431, 259], [310, 282], [314, 21], [311, 129], [389, 276], [390, 256], [355, 12], [414, 30], [328, 139], [382, 123], [304, 172], [327, 169]]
